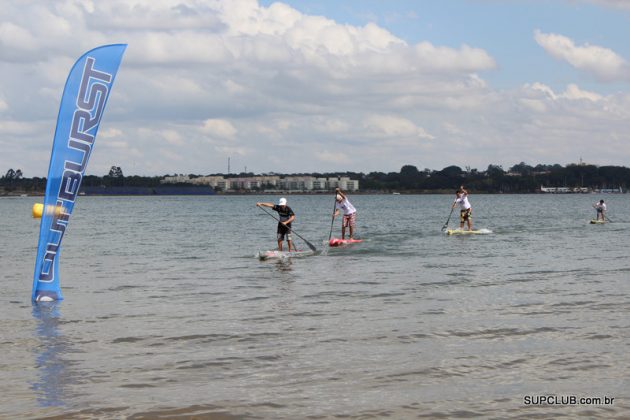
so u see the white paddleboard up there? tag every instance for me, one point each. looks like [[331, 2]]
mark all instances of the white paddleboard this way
[[468, 232], [275, 254]]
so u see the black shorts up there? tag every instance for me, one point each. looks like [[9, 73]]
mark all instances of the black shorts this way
[[465, 215], [283, 231]]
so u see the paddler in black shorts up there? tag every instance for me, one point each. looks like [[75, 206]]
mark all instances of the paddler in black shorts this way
[[286, 216], [465, 212]]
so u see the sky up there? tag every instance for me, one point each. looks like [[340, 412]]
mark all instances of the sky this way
[[301, 86]]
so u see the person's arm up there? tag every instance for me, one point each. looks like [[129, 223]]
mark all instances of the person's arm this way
[[463, 190], [290, 219], [336, 213], [456, 201], [264, 205], [338, 191]]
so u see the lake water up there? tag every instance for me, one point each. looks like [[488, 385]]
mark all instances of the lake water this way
[[167, 312]]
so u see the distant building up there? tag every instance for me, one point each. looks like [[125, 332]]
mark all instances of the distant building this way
[[176, 179], [564, 190], [297, 183], [216, 182], [320, 184], [345, 183], [268, 182]]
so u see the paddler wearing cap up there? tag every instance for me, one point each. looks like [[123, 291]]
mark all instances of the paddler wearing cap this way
[[286, 216], [349, 213]]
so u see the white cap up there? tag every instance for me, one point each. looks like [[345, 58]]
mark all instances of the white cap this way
[[282, 202]]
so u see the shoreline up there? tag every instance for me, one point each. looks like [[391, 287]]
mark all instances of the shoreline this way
[[19, 194]]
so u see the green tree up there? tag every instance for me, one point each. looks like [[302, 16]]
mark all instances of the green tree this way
[[409, 177], [116, 172]]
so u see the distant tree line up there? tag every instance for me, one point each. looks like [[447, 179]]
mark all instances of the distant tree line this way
[[520, 178]]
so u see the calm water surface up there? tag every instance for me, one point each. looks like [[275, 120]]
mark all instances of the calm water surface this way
[[167, 312]]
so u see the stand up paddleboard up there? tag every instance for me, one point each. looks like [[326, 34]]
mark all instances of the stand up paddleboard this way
[[597, 222], [275, 254], [467, 232], [342, 242]]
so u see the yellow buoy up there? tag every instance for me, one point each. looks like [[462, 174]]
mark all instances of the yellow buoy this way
[[38, 209]]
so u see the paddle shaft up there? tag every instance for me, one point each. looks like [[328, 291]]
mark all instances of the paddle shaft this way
[[449, 218], [310, 245], [333, 218], [605, 218]]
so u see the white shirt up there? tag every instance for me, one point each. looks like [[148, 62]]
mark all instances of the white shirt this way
[[346, 207], [463, 202], [599, 205]]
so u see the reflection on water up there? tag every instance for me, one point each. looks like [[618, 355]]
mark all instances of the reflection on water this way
[[51, 387]]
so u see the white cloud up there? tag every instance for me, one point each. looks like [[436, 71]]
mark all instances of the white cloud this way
[[277, 89], [394, 127], [542, 88], [334, 126], [602, 62], [173, 137], [534, 105], [110, 133], [575, 93], [219, 128], [232, 151], [17, 37], [572, 92], [12, 127], [336, 158], [618, 4], [170, 155]]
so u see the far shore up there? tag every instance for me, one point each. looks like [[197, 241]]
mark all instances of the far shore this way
[[17, 194]]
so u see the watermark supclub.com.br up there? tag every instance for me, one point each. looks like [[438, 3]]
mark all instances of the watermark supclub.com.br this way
[[566, 400]]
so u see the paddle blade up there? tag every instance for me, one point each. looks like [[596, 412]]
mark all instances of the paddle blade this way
[[310, 245]]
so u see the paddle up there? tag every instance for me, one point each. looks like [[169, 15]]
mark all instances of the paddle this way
[[333, 218], [449, 218], [310, 245]]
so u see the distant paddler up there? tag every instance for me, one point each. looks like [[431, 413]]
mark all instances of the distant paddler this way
[[465, 209], [286, 216], [349, 213], [600, 207]]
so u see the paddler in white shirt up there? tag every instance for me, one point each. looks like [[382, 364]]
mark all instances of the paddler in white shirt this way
[[465, 209], [349, 213], [601, 210]]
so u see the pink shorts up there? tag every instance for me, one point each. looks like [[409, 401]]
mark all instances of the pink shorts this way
[[349, 219]]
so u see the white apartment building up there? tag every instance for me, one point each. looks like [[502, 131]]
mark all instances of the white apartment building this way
[[290, 183], [345, 183], [297, 183], [176, 179], [320, 184]]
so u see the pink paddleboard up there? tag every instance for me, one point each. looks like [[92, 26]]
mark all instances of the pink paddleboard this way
[[341, 242]]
